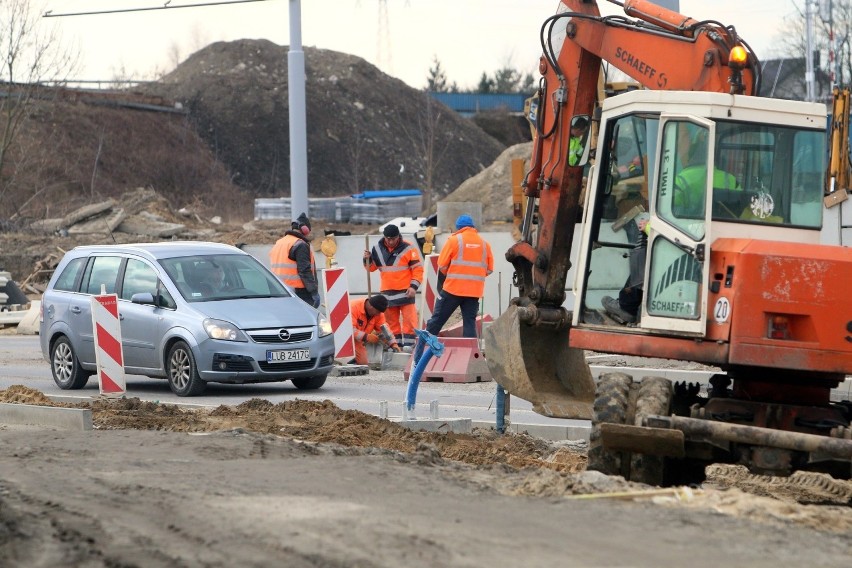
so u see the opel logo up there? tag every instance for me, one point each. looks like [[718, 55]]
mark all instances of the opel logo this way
[[284, 335]]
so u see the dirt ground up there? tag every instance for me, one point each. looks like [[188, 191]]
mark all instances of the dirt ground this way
[[140, 490]]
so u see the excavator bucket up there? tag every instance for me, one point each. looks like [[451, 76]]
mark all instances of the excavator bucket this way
[[536, 364]]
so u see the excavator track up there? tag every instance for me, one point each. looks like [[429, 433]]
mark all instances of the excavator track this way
[[802, 486]]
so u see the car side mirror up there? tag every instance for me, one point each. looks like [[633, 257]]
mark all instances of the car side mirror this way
[[144, 298]]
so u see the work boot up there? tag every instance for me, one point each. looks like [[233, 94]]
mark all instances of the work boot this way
[[613, 309]]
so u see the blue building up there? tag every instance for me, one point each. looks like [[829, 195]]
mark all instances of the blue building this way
[[469, 104]]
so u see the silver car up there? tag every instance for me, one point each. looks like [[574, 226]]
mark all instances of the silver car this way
[[189, 312]]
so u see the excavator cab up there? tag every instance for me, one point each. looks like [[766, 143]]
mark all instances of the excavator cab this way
[[708, 179]]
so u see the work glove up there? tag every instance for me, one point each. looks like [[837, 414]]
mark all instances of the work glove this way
[[396, 348], [372, 338], [315, 300]]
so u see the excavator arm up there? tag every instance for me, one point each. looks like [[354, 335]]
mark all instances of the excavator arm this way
[[661, 49]]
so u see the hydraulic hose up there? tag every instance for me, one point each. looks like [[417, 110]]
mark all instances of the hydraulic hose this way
[[427, 346]]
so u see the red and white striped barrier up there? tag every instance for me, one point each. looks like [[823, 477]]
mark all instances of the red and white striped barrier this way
[[336, 292], [108, 354], [430, 289]]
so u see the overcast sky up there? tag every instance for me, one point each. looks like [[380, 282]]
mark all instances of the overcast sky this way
[[469, 37]]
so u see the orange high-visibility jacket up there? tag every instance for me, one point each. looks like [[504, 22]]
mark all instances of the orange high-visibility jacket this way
[[362, 325], [283, 265], [466, 260], [400, 269]]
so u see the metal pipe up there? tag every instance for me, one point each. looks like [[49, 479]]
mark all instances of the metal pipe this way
[[741, 434], [501, 410]]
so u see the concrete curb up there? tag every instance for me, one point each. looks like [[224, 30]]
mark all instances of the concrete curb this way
[[547, 432], [454, 425], [46, 416]]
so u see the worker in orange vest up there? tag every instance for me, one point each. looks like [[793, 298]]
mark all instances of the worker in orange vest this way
[[463, 264], [292, 260], [401, 270], [369, 325]]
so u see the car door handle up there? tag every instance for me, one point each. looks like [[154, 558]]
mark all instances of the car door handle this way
[[76, 310]]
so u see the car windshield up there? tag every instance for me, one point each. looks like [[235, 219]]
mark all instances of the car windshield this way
[[204, 278]]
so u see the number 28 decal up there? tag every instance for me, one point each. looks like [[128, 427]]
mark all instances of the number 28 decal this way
[[722, 310]]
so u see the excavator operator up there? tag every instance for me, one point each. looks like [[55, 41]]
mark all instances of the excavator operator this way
[[577, 143], [690, 182]]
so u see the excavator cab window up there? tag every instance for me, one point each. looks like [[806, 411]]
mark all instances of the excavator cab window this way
[[682, 187], [777, 171], [618, 205], [578, 143]]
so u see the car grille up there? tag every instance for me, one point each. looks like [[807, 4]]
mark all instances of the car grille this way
[[272, 335], [237, 367], [233, 363], [279, 367]]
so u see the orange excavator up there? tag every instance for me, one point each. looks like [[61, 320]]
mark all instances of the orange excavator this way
[[700, 239]]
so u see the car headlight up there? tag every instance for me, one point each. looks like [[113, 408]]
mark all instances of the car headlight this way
[[324, 326], [226, 331]]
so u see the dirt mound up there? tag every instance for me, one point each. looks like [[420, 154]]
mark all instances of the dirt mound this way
[[214, 134], [324, 422], [72, 151], [493, 186], [24, 395], [366, 130]]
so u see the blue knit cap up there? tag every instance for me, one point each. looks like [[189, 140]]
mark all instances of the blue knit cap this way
[[464, 221]]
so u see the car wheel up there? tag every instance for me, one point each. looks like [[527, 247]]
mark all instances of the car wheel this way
[[182, 371], [67, 372], [310, 383]]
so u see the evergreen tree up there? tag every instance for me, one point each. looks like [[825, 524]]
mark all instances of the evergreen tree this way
[[436, 82], [486, 84]]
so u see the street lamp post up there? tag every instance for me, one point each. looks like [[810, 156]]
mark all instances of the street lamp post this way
[[298, 121]]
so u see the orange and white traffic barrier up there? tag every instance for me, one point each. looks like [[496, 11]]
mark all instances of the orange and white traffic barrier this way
[[430, 289], [336, 292], [108, 353]]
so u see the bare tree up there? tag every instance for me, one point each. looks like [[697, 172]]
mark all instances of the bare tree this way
[[429, 141], [175, 56], [836, 22], [32, 55]]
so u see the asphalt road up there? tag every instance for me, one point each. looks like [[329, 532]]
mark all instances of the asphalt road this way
[[22, 363]]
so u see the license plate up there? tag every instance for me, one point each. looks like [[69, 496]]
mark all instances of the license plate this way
[[289, 355]]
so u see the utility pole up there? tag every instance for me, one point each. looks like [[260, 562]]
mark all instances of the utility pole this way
[[826, 14], [809, 50], [298, 121]]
